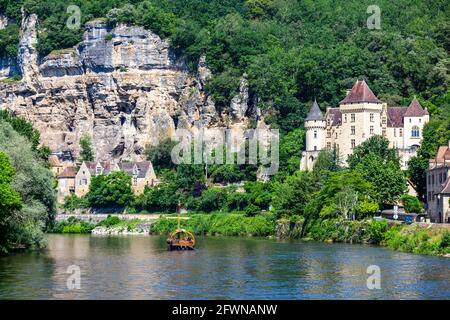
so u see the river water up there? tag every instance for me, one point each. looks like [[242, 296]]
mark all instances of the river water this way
[[139, 267]]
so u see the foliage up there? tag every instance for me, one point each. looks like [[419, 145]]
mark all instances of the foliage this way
[[110, 221], [377, 230], [220, 224], [72, 225], [412, 204], [23, 225], [375, 145], [291, 196], [416, 239], [160, 155], [72, 202], [110, 191], [251, 210], [86, 153]]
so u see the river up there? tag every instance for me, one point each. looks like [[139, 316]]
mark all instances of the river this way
[[139, 267]]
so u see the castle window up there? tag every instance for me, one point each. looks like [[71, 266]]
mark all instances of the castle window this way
[[315, 148], [315, 134], [353, 130], [98, 170], [328, 133], [415, 132], [353, 143], [352, 117], [420, 120], [372, 117], [395, 132], [345, 117], [401, 132], [135, 181], [328, 145], [383, 132], [371, 129]]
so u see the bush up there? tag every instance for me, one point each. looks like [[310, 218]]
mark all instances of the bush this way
[[251, 210], [377, 230], [110, 221], [72, 202], [412, 204]]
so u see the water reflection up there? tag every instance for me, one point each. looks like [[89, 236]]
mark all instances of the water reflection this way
[[222, 268]]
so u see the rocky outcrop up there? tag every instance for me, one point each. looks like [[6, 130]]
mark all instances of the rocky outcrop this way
[[122, 86], [27, 57]]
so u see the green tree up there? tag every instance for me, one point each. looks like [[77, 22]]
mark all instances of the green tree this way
[[34, 210], [110, 191], [412, 204], [10, 199], [86, 153], [387, 178], [376, 145], [160, 155]]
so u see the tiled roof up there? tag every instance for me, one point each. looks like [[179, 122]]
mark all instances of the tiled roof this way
[[142, 167], [336, 115], [360, 93], [395, 116], [69, 172], [415, 109], [54, 161], [315, 113]]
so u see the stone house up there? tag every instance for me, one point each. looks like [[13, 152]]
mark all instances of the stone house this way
[[141, 173], [88, 170], [66, 183], [361, 115], [438, 186]]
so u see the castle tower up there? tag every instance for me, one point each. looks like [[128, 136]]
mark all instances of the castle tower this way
[[362, 117], [315, 126]]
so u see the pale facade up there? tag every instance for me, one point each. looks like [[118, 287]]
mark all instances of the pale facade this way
[[438, 186], [360, 116], [66, 184]]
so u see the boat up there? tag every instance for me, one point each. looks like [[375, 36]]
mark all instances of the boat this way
[[181, 239]]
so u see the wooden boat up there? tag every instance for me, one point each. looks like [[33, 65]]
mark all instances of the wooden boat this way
[[181, 239]]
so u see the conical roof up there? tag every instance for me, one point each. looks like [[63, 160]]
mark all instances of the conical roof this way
[[415, 109], [315, 113], [360, 93]]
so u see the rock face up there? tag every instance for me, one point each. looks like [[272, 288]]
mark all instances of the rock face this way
[[121, 86]]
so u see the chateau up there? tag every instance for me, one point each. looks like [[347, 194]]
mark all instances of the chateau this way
[[359, 116]]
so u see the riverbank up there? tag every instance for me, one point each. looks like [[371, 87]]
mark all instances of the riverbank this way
[[430, 239]]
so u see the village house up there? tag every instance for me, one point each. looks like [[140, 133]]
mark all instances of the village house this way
[[66, 183], [78, 181], [438, 186], [360, 116]]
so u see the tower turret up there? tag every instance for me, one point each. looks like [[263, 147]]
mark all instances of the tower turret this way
[[315, 126]]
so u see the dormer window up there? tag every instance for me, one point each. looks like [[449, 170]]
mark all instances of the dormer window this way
[[98, 170]]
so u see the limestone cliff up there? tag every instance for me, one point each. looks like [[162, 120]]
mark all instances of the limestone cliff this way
[[122, 86]]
